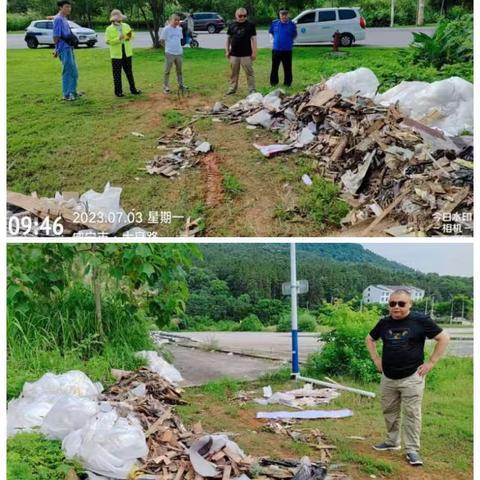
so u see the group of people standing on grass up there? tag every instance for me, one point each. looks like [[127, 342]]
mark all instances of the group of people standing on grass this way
[[240, 49]]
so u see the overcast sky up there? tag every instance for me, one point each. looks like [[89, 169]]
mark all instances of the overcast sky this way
[[444, 259]]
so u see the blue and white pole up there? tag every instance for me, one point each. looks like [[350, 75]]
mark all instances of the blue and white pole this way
[[294, 293]]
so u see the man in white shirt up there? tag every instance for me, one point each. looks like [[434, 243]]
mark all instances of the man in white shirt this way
[[171, 38]]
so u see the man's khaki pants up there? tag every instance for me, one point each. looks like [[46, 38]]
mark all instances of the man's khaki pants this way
[[247, 65], [171, 60], [405, 396]]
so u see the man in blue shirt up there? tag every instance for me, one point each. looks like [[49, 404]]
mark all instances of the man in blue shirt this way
[[64, 41], [283, 31]]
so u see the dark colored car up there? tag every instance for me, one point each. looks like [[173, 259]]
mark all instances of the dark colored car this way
[[211, 22]]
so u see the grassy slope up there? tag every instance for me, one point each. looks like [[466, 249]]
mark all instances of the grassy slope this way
[[57, 146]]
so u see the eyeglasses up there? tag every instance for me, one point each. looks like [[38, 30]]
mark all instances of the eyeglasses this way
[[242, 16], [394, 304]]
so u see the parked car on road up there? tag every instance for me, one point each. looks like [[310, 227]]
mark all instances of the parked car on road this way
[[211, 22], [40, 32], [320, 24]]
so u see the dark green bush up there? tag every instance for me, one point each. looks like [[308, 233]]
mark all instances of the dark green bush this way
[[306, 322], [345, 352], [250, 324]]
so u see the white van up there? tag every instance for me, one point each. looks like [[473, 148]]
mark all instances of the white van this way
[[320, 24]]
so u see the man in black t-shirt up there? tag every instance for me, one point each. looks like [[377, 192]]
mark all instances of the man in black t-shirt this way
[[241, 50], [403, 369]]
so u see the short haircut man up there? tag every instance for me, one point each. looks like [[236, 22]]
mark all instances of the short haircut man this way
[[64, 42], [241, 50], [403, 369], [283, 33]]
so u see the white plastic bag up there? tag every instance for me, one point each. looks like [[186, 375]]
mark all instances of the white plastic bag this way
[[69, 413], [70, 383], [449, 103], [107, 445], [262, 118], [159, 365], [27, 414], [273, 100], [254, 99], [361, 81], [107, 206]]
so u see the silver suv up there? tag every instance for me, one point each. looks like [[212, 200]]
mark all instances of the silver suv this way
[[40, 32]]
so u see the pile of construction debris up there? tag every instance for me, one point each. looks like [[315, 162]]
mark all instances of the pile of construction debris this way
[[176, 452], [179, 151], [69, 214], [386, 163]]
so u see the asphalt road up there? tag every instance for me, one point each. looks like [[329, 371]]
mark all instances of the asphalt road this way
[[375, 37], [278, 345]]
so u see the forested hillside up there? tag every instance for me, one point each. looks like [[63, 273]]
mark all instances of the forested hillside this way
[[236, 281]]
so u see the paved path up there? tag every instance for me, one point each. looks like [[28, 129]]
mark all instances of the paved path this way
[[199, 366], [375, 37], [278, 345]]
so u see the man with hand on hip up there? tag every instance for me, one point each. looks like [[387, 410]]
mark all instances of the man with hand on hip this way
[[403, 369]]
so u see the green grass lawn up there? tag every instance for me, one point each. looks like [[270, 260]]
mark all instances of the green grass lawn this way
[[53, 145]]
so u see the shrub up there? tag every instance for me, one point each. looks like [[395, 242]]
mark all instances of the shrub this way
[[451, 43], [344, 352], [306, 322], [250, 324]]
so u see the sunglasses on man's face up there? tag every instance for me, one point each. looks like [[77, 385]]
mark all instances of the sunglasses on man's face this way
[[242, 16], [400, 304]]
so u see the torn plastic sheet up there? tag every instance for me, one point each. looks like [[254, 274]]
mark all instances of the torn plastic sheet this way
[[159, 365], [306, 414], [353, 181], [273, 100], [306, 137], [107, 444], [262, 118], [361, 81], [106, 205], [254, 99], [209, 444], [444, 104], [270, 150], [69, 413]]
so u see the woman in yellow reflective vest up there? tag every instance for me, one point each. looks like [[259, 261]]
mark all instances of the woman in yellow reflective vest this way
[[118, 37]]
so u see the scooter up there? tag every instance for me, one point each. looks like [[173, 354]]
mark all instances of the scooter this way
[[193, 42]]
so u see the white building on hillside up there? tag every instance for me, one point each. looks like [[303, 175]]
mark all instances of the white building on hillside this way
[[381, 293]]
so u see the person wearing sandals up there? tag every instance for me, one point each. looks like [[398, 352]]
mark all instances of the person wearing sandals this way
[[403, 368], [64, 43], [118, 37]]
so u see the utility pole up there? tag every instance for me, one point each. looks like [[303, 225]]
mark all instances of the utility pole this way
[[420, 12], [426, 305], [431, 308], [392, 13], [294, 287]]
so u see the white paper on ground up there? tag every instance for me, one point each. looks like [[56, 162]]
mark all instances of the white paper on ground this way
[[307, 414], [270, 150]]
